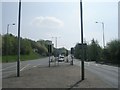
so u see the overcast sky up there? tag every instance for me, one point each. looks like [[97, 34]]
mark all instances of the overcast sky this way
[[44, 20]]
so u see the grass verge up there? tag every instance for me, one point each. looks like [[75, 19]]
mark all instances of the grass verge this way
[[13, 58]]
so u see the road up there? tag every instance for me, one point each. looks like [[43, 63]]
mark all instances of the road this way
[[108, 74], [11, 68]]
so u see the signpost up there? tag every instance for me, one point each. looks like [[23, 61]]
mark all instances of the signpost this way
[[72, 52], [49, 51]]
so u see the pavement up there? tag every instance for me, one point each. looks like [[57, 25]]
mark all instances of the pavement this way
[[63, 75]]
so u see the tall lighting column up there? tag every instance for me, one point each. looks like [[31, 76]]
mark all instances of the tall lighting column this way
[[18, 61], [82, 59], [103, 33], [6, 40]]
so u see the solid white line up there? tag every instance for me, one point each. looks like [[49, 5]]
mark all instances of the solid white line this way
[[25, 67], [7, 68]]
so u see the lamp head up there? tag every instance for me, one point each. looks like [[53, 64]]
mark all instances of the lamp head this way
[[13, 24]]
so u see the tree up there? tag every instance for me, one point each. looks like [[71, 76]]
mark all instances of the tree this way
[[25, 47], [10, 45], [113, 51], [94, 51], [42, 50], [0, 44], [77, 53]]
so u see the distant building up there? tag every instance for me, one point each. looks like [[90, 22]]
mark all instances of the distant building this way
[[119, 20]]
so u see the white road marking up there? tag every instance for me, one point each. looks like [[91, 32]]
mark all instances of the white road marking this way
[[25, 67], [36, 65], [96, 64]]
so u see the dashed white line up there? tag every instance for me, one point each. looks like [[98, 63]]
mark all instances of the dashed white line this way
[[24, 67]]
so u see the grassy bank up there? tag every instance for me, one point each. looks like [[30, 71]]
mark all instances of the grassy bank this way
[[13, 58]]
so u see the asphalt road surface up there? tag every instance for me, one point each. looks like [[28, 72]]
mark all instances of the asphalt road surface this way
[[11, 68], [108, 74]]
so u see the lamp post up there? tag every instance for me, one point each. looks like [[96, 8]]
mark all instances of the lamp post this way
[[103, 33], [18, 61], [56, 41], [56, 48], [8, 27], [7, 46], [82, 59]]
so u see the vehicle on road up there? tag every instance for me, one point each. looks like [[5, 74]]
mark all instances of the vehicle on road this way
[[61, 58]]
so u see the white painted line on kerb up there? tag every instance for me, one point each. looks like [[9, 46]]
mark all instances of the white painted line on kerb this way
[[25, 67], [7, 67]]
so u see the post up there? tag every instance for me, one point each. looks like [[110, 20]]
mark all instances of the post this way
[[18, 61], [72, 53], [7, 50], [49, 59], [72, 60], [103, 35], [56, 51], [82, 61], [49, 53], [56, 41], [7, 28]]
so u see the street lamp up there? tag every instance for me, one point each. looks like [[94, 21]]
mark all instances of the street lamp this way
[[19, 23], [7, 46], [8, 27], [103, 33], [82, 59], [56, 41], [56, 48]]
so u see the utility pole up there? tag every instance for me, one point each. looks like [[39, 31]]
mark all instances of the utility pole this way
[[49, 53], [82, 59], [18, 61]]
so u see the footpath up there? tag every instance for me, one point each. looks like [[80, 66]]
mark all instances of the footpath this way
[[62, 76]]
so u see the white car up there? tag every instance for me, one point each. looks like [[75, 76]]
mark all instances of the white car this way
[[61, 59]]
